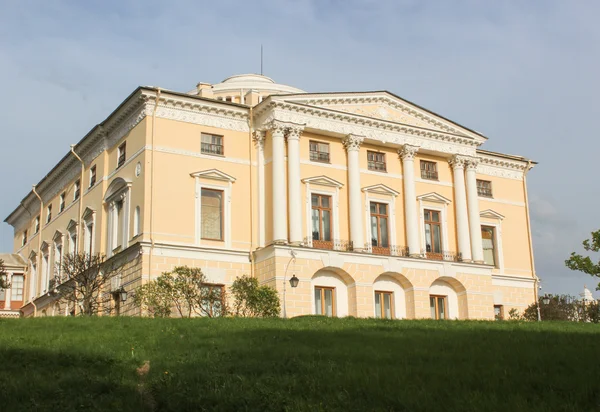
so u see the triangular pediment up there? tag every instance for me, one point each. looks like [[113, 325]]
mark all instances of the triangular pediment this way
[[88, 213], [433, 197], [322, 181], [57, 236], [490, 214], [44, 245], [72, 225], [384, 106], [214, 174], [381, 189]]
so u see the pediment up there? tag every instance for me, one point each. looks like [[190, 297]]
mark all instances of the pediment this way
[[381, 189], [433, 197], [490, 214], [57, 236], [72, 225], [88, 213], [214, 174], [322, 181], [385, 106], [44, 245]]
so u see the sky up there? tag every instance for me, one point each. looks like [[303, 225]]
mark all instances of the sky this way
[[525, 74]]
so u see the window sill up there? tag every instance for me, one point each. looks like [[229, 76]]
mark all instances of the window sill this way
[[212, 154], [375, 170], [486, 197], [320, 161], [212, 240]]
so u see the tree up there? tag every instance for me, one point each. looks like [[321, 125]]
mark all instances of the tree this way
[[252, 300], [584, 263], [560, 307], [88, 278], [4, 284], [186, 290]]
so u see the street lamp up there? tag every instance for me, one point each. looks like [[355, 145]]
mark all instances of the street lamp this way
[[546, 299], [121, 293], [294, 281]]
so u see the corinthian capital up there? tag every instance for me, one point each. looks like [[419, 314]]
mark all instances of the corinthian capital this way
[[294, 132], [458, 161], [472, 163], [408, 152], [277, 127], [258, 137], [352, 142]]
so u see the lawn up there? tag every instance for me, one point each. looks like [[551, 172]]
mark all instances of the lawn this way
[[307, 364]]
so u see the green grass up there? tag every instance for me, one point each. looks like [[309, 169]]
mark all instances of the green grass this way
[[308, 364]]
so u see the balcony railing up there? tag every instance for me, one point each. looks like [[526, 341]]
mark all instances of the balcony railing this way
[[429, 174], [209, 148], [377, 166], [319, 156], [391, 250], [336, 244], [484, 191], [443, 255]]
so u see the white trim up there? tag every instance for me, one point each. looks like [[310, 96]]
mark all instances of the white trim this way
[[426, 203], [322, 181], [169, 150], [501, 201], [320, 164], [497, 225], [214, 174], [335, 206], [434, 182], [380, 174], [490, 214], [226, 188], [381, 189], [390, 201], [513, 281]]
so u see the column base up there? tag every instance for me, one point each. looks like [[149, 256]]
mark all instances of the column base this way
[[280, 242], [295, 243]]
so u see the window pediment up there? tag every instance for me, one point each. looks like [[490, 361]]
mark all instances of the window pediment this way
[[323, 181], [490, 214], [57, 238], [44, 246], [434, 197], [214, 174], [72, 226], [381, 189], [117, 186], [88, 213]]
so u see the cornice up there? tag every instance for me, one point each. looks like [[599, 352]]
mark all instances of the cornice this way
[[501, 167]]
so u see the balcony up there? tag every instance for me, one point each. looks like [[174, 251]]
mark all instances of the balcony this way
[[445, 255], [484, 191], [391, 250], [377, 166], [322, 157], [213, 149], [429, 174], [336, 244]]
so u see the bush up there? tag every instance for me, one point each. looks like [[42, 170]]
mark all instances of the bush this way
[[252, 300], [560, 307]]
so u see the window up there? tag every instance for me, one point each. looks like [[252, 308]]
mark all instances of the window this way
[[121, 154], [2, 291], [212, 214], [16, 285], [48, 213], [93, 176], [379, 228], [383, 305], [484, 188], [498, 312], [319, 152], [376, 161], [433, 234], [45, 270], [24, 238], [58, 252], [321, 221], [437, 304], [429, 170], [61, 204], [211, 144], [228, 99], [89, 237], [212, 302], [137, 223], [36, 226], [488, 237], [324, 301], [76, 190]]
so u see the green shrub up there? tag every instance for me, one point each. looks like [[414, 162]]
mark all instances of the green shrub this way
[[252, 300]]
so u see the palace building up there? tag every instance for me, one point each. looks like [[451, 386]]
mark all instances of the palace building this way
[[379, 207]]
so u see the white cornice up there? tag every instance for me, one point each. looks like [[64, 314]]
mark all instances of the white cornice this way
[[322, 181], [214, 174], [381, 189], [433, 197], [501, 167]]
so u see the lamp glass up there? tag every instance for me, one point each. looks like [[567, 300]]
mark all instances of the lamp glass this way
[[294, 281]]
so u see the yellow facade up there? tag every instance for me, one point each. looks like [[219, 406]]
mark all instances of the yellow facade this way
[[147, 212]]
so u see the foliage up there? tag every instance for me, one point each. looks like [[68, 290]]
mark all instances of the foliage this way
[[513, 314], [560, 307], [584, 263], [252, 300], [4, 284], [84, 281], [591, 312], [186, 290], [307, 364]]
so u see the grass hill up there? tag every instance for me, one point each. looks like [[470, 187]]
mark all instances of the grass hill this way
[[302, 364]]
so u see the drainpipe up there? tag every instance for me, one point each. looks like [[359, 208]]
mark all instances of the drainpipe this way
[[250, 130], [152, 181], [39, 254], [80, 197], [535, 277]]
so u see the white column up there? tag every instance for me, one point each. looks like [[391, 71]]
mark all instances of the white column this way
[[279, 187], [259, 141], [460, 200], [474, 219], [8, 292], [294, 202], [407, 154], [352, 144]]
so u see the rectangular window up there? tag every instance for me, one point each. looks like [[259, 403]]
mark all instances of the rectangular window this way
[[89, 238], [36, 227], [383, 305], [484, 188], [61, 205], [48, 213], [212, 214], [376, 161], [121, 154], [76, 190], [379, 228], [24, 238], [213, 297], [321, 221], [498, 312], [437, 304], [433, 234], [16, 285], [2, 291], [324, 301], [429, 170], [211, 144], [319, 151], [489, 245], [93, 176]]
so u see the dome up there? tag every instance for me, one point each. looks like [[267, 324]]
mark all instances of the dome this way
[[586, 295], [256, 82]]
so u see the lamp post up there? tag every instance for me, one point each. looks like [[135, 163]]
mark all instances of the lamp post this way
[[120, 296], [293, 281]]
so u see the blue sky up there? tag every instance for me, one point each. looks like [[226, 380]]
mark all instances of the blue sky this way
[[522, 73]]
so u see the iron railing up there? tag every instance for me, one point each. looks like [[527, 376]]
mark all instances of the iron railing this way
[[484, 191], [391, 250], [209, 148], [443, 255], [336, 244], [429, 174], [377, 166], [319, 156]]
